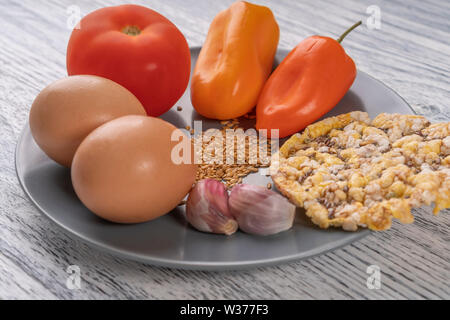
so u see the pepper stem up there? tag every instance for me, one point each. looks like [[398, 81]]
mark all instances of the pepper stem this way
[[348, 31]]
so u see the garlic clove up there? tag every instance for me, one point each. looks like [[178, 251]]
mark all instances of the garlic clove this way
[[260, 211], [207, 208]]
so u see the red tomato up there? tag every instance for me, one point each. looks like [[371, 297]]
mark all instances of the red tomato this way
[[137, 48]]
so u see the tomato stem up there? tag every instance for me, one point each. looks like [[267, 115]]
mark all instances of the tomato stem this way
[[131, 30], [348, 31]]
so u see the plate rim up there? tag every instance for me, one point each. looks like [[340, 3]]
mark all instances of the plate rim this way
[[195, 265]]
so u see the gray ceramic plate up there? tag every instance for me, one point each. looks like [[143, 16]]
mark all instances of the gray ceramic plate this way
[[169, 241]]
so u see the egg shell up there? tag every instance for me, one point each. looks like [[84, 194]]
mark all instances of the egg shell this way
[[124, 172], [66, 111]]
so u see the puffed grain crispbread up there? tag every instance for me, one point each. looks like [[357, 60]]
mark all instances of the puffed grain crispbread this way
[[350, 172]]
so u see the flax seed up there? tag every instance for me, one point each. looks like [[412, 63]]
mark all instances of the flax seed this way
[[243, 163]]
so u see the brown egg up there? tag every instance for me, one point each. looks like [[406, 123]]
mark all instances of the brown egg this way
[[65, 112], [130, 171]]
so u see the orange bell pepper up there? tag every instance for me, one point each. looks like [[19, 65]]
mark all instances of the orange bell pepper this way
[[307, 84], [235, 61]]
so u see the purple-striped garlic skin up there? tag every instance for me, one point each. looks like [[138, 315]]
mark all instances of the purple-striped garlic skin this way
[[207, 208], [260, 211]]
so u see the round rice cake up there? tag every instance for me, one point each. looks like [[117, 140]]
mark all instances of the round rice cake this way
[[348, 171]]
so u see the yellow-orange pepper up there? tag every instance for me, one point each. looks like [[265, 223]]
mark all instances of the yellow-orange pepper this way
[[235, 61]]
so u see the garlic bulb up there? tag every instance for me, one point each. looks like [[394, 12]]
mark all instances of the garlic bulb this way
[[260, 211], [207, 208]]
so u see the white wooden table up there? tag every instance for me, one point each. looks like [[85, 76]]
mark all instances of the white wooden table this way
[[410, 53]]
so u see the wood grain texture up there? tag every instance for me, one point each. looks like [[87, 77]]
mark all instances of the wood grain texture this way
[[410, 53]]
